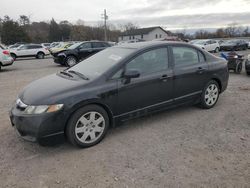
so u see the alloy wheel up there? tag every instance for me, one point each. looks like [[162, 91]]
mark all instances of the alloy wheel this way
[[89, 127], [211, 94]]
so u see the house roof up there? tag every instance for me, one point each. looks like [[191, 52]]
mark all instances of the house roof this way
[[141, 31]]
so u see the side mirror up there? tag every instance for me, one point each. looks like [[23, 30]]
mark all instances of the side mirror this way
[[129, 74]]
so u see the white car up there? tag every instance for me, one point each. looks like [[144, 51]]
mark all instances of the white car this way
[[29, 50], [208, 45], [5, 58]]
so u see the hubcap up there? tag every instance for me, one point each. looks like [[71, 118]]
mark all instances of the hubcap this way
[[71, 61], [211, 94], [89, 127]]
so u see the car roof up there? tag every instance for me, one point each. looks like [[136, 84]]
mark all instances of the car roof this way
[[141, 45]]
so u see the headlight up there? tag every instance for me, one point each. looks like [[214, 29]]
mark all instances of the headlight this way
[[61, 54], [42, 109]]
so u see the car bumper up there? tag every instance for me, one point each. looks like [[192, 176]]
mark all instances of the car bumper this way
[[46, 129], [7, 61], [59, 60]]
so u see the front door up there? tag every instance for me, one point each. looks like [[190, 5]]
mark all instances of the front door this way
[[152, 89], [85, 50]]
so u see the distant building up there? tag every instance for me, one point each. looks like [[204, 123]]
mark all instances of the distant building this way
[[145, 34]]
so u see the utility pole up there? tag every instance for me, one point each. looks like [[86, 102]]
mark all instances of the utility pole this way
[[105, 17]]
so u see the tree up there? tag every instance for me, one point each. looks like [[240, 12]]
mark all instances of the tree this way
[[54, 31], [12, 32], [65, 28], [24, 20]]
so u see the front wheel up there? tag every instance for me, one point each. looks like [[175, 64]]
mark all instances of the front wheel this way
[[40, 55], [87, 126], [71, 61], [210, 95], [238, 68]]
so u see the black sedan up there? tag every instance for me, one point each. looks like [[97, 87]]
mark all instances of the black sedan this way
[[117, 84], [78, 52], [234, 45]]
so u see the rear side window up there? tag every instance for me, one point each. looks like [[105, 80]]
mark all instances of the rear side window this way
[[151, 61], [185, 56], [98, 45]]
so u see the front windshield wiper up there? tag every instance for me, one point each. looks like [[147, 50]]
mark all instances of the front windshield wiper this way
[[66, 73], [79, 74]]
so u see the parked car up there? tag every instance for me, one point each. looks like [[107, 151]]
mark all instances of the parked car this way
[[29, 50], [117, 84], [234, 45], [61, 46], [208, 45], [247, 65], [5, 58], [46, 45], [78, 52], [53, 44]]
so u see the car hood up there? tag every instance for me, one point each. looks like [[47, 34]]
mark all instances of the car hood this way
[[51, 89]]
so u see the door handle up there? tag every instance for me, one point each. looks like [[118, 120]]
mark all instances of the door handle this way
[[200, 70], [165, 77]]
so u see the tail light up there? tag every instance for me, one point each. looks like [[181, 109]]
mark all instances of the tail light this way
[[6, 52]]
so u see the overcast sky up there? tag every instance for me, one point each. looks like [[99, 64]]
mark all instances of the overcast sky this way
[[172, 14]]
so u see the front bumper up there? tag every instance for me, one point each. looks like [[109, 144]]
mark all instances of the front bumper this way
[[59, 60], [46, 129]]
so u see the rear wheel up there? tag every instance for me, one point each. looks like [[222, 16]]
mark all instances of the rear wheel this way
[[248, 73], [40, 55], [87, 126], [216, 50], [13, 56], [210, 94], [238, 68], [71, 61]]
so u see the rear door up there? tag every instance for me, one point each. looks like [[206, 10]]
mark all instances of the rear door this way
[[97, 46], [190, 72]]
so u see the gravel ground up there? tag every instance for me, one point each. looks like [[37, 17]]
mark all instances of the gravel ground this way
[[184, 147]]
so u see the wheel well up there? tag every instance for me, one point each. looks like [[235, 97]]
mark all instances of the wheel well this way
[[219, 83], [72, 56], [110, 115], [40, 52], [13, 54]]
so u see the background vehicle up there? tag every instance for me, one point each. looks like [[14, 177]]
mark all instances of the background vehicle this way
[[29, 50], [234, 45], [61, 46], [234, 61], [208, 45], [46, 45], [5, 58], [247, 65], [79, 51], [117, 84]]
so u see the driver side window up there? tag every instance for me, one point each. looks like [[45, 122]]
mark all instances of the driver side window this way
[[149, 62]]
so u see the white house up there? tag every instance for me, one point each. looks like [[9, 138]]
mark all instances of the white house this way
[[145, 34]]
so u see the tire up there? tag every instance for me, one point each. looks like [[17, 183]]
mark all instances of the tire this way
[[216, 50], [40, 55], [248, 73], [87, 126], [13, 56], [70, 61], [210, 95], [238, 68], [0, 67]]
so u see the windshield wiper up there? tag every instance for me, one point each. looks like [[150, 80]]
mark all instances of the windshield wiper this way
[[66, 73], [79, 74]]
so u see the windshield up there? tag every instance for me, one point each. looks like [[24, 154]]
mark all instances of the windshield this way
[[74, 46], [99, 63]]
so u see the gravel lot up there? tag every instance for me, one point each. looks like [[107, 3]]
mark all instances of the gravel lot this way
[[184, 147]]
